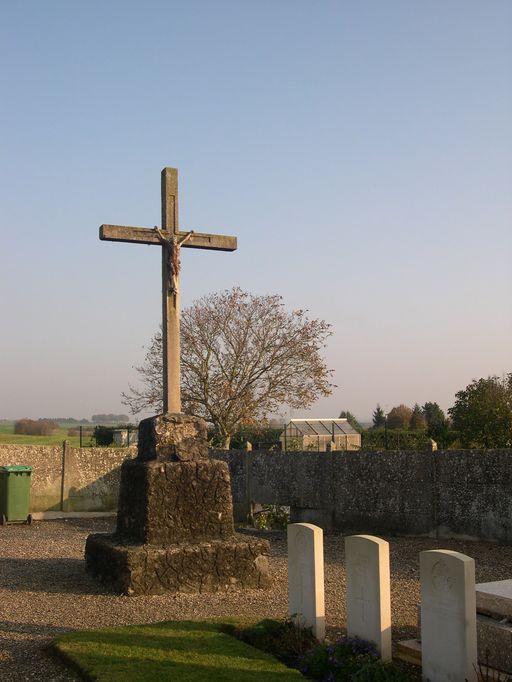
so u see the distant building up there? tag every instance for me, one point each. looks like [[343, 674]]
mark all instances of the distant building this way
[[320, 435], [125, 436]]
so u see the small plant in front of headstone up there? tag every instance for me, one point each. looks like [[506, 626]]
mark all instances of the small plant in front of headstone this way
[[272, 517], [339, 660], [349, 658], [284, 639]]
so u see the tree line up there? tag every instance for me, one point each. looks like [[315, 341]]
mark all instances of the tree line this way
[[245, 357], [481, 417]]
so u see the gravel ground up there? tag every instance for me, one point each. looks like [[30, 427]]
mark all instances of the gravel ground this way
[[44, 591]]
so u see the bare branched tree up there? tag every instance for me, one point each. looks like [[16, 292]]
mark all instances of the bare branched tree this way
[[242, 358]]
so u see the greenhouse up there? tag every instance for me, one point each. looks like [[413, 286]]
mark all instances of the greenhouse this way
[[319, 435]]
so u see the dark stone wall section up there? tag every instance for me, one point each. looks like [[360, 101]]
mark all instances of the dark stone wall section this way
[[452, 493]]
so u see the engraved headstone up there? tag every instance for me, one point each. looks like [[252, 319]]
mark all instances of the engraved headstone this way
[[448, 616], [368, 591], [306, 577]]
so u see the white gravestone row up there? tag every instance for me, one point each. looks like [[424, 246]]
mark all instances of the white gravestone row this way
[[448, 609]]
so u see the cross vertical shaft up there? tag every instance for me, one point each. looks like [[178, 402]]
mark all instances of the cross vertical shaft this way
[[171, 240], [170, 298]]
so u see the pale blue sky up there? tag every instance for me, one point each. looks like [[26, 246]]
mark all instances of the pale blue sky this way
[[360, 151]]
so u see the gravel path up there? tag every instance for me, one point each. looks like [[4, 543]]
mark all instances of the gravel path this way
[[44, 591]]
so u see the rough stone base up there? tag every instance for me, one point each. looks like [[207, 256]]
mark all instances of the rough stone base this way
[[202, 567], [168, 503]]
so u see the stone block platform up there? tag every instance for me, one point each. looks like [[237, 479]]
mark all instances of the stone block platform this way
[[175, 529], [495, 599], [201, 567]]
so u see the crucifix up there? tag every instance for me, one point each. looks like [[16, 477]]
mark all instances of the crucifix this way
[[171, 240]]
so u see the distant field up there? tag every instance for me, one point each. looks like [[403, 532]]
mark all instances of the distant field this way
[[8, 436]]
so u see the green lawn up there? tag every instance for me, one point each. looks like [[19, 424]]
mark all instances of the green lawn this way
[[8, 436], [186, 651]]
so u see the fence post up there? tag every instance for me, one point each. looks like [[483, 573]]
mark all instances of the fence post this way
[[247, 485], [65, 450]]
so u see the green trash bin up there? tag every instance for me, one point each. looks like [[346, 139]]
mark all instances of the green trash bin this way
[[15, 494]]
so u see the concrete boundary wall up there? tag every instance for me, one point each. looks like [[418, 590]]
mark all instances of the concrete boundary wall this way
[[465, 494], [70, 479]]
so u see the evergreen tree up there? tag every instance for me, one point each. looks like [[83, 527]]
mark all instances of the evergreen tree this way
[[437, 423], [417, 421], [378, 417]]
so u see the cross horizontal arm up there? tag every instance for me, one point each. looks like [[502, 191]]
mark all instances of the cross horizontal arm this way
[[146, 235]]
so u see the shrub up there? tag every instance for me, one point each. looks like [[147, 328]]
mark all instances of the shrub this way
[[30, 427], [349, 658], [260, 436], [378, 439], [103, 435], [272, 517], [283, 639]]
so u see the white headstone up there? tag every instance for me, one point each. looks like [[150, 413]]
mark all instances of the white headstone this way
[[448, 616], [306, 576], [368, 591]]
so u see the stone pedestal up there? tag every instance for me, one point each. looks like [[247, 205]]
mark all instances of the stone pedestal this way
[[175, 519]]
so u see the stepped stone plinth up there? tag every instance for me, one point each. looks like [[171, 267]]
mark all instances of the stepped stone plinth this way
[[175, 529]]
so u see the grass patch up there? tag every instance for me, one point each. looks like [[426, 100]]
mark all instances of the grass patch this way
[[55, 439], [188, 651], [8, 437]]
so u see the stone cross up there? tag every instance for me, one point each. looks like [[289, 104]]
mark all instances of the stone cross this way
[[171, 240]]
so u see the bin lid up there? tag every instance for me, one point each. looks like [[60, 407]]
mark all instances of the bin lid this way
[[16, 468]]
